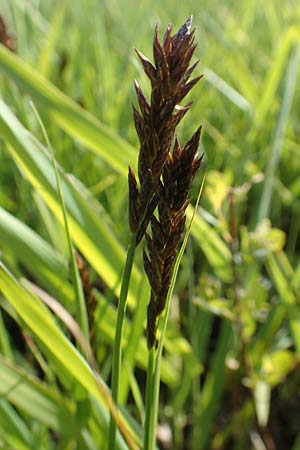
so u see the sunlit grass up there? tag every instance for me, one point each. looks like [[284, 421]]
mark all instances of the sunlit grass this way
[[232, 342]]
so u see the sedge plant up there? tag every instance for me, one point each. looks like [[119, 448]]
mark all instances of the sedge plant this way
[[261, 85], [160, 195]]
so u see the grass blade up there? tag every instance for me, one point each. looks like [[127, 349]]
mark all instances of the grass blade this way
[[67, 114], [289, 92], [81, 310], [287, 297]]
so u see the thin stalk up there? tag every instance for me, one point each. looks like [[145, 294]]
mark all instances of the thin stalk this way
[[155, 383], [81, 311], [149, 424], [117, 351], [134, 337]]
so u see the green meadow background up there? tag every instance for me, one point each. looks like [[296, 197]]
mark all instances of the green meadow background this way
[[230, 369]]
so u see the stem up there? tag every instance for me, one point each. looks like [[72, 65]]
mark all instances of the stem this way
[[156, 381], [153, 379], [81, 311], [117, 350], [150, 407], [153, 376]]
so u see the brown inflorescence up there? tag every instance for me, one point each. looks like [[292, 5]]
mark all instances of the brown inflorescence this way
[[156, 120], [89, 295], [168, 227], [6, 38], [165, 169]]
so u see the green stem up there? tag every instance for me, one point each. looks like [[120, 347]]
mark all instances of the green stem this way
[[149, 423], [153, 380], [81, 311], [156, 388], [156, 380], [117, 352]]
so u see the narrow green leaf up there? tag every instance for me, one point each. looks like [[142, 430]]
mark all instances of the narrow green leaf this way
[[5, 344], [288, 96], [51, 39], [289, 38], [211, 391], [265, 336], [80, 309], [283, 286], [222, 86]]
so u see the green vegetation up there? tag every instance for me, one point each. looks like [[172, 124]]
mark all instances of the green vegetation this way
[[229, 368]]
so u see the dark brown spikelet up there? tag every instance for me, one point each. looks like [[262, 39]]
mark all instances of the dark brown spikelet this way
[[89, 295], [6, 38], [157, 118], [167, 230]]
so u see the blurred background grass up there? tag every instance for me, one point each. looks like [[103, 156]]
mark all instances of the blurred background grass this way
[[243, 390]]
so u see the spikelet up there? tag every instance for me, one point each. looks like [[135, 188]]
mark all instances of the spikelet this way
[[157, 119], [168, 228]]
